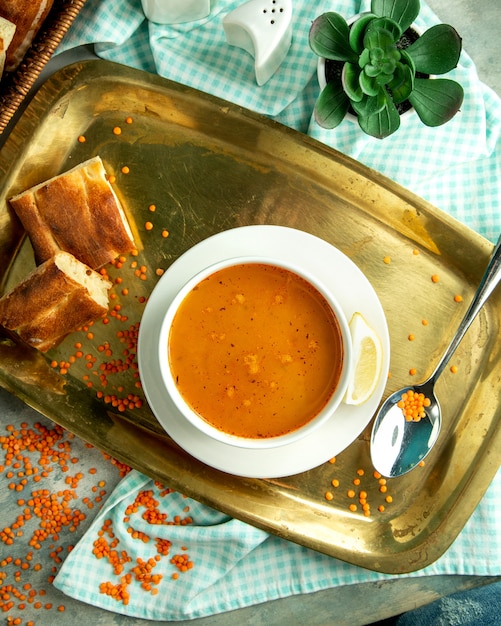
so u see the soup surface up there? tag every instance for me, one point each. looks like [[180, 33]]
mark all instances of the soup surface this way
[[255, 350]]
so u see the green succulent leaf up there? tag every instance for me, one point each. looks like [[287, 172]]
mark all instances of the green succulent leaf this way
[[365, 58], [408, 60], [402, 83], [376, 54], [437, 51], [383, 123], [383, 79], [403, 13], [331, 105], [389, 67], [371, 70], [380, 38], [387, 24], [329, 38], [436, 100], [370, 105], [357, 31], [351, 84], [368, 84]]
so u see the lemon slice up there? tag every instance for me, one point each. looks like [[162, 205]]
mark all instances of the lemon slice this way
[[367, 361]]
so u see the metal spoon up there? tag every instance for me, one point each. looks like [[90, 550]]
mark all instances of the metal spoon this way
[[397, 445]]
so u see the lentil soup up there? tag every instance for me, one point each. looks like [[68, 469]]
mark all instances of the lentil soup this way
[[255, 350]]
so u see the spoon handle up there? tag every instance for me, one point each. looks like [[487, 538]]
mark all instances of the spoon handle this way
[[489, 282]]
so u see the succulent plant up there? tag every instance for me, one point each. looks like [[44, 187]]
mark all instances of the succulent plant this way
[[382, 67]]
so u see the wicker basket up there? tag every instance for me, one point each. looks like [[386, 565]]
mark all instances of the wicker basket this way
[[14, 87]]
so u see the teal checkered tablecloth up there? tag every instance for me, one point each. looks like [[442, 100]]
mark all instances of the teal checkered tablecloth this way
[[456, 167]]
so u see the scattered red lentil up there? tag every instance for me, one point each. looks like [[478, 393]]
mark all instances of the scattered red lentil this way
[[125, 169], [146, 504], [81, 139], [182, 562], [387, 260], [458, 298], [117, 130], [46, 516], [435, 278], [454, 369], [128, 120], [364, 503]]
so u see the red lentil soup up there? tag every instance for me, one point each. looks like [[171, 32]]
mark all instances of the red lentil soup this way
[[255, 350]]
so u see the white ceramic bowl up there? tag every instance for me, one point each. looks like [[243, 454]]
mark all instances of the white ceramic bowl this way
[[244, 442]]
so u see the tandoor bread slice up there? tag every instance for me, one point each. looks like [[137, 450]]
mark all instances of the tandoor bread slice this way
[[28, 16], [7, 30], [58, 297], [78, 212]]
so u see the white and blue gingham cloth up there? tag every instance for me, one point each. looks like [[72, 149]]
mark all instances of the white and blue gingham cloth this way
[[234, 564], [456, 167]]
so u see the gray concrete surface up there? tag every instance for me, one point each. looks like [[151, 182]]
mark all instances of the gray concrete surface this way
[[479, 23]]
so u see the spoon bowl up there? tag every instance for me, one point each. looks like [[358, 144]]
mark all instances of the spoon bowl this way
[[398, 445]]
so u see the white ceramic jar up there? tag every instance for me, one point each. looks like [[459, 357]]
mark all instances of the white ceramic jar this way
[[175, 11]]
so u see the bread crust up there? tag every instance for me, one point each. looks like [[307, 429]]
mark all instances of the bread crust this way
[[28, 16], [78, 212], [57, 298]]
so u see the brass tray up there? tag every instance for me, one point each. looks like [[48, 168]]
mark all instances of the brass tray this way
[[15, 87], [208, 166]]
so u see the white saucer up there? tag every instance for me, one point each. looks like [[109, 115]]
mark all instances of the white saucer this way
[[354, 293]]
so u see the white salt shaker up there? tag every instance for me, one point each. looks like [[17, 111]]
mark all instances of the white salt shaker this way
[[175, 11], [263, 28]]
